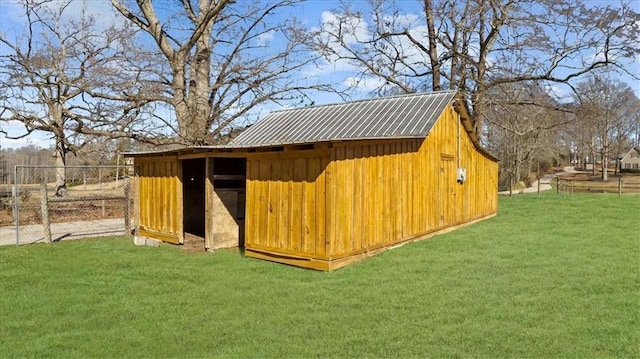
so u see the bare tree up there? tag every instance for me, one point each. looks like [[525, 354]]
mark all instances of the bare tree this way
[[52, 72], [607, 110], [476, 45], [521, 133], [220, 61]]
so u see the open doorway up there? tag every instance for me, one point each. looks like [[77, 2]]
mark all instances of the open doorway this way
[[193, 192], [229, 184]]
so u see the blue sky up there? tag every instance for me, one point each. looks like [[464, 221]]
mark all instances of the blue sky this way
[[312, 13]]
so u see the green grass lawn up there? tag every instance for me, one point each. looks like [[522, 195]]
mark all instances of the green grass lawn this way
[[550, 276]]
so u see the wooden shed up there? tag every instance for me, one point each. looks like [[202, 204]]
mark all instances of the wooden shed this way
[[323, 186]]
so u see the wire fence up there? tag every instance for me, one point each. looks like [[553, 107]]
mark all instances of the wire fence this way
[[51, 203]]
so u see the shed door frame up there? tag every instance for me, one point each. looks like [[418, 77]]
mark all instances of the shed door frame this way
[[188, 192], [211, 176]]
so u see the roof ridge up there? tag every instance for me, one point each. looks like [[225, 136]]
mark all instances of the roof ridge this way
[[365, 100]]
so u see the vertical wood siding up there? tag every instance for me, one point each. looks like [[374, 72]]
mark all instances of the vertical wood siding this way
[[286, 203], [160, 198], [362, 196], [386, 192]]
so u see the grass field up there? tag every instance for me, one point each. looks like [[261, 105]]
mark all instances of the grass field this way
[[550, 276]]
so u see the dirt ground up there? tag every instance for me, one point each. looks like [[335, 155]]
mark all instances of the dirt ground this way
[[30, 207], [30, 212]]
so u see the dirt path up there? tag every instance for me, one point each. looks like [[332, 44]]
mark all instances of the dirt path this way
[[63, 231], [545, 182]]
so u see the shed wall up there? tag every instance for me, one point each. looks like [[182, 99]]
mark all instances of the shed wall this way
[[383, 193], [325, 209], [160, 198], [286, 208]]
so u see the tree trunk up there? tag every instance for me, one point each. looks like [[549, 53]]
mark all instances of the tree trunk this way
[[192, 94], [605, 153], [593, 162], [605, 164], [61, 173], [433, 51]]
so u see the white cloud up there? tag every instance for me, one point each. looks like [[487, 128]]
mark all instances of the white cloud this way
[[401, 21], [15, 128], [354, 29], [103, 14], [366, 84], [356, 33], [330, 67], [265, 38], [560, 92]]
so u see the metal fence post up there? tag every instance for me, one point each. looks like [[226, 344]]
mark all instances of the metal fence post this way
[[16, 207]]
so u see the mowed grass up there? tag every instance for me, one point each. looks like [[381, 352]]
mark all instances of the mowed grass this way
[[550, 276]]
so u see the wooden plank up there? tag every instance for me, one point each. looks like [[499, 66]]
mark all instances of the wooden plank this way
[[265, 177], [284, 201], [329, 205], [165, 237], [180, 201], [143, 185], [310, 213], [274, 200], [155, 213], [376, 210], [286, 252], [358, 212], [407, 185], [365, 200], [388, 187], [394, 204], [171, 198], [164, 195], [296, 204], [348, 201], [322, 196], [293, 261], [336, 202]]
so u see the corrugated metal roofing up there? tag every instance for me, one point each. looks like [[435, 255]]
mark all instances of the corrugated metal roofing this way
[[405, 116]]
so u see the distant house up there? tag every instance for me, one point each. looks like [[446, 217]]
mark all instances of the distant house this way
[[631, 160], [323, 186]]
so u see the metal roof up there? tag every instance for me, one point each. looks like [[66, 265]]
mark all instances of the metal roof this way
[[405, 116]]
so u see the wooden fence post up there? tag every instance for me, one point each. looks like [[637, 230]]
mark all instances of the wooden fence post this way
[[510, 185], [127, 206], [557, 185], [44, 208], [619, 186]]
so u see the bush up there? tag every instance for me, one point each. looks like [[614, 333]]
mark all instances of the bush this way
[[630, 170]]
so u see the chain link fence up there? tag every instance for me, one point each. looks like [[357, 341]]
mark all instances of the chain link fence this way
[[50, 203]]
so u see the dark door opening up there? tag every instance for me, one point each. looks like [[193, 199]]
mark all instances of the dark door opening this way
[[193, 196]]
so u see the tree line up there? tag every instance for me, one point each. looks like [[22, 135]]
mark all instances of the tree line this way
[[539, 76]]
